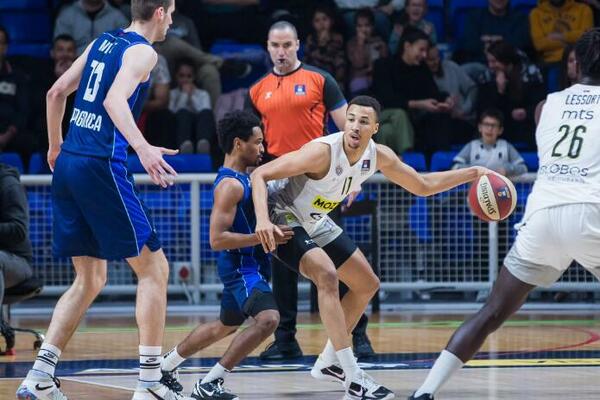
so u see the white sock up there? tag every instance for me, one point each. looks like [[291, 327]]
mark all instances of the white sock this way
[[150, 363], [171, 360], [328, 354], [348, 362], [216, 372], [443, 368], [47, 359]]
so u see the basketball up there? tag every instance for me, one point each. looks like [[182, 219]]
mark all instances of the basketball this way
[[492, 197]]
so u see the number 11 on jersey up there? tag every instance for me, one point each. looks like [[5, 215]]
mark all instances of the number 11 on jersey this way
[[346, 187]]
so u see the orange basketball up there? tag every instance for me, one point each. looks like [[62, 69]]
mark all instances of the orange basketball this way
[[492, 197]]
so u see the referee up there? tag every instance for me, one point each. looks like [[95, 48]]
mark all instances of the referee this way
[[293, 101]]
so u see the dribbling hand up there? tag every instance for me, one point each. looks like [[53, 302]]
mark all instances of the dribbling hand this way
[[153, 162]]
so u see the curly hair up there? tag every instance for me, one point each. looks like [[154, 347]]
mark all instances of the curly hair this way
[[236, 124], [587, 53]]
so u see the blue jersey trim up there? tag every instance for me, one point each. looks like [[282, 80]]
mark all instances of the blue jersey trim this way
[[125, 207]]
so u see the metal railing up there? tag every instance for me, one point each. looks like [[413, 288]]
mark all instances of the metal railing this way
[[423, 243]]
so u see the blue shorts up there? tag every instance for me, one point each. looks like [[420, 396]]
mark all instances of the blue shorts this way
[[97, 211], [245, 292]]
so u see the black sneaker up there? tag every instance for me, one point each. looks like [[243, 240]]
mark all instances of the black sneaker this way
[[323, 371], [424, 396], [281, 351], [362, 346], [171, 380], [212, 390], [364, 387]]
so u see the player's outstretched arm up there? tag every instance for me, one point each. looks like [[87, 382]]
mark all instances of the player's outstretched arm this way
[[228, 193], [311, 158], [56, 100], [136, 66], [423, 184]]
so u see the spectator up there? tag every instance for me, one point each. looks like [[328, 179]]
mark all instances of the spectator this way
[[489, 151], [325, 45], [194, 120], [414, 16], [85, 20], [556, 23], [485, 26], [14, 102], [452, 79], [514, 86], [15, 248], [183, 41], [382, 13], [405, 82], [156, 117], [568, 68], [363, 50], [62, 55], [124, 6]]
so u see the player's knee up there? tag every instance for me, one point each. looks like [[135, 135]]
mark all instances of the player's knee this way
[[92, 282], [494, 317], [267, 321], [221, 330], [370, 285], [327, 280]]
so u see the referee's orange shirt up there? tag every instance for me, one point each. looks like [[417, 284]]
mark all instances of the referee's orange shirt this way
[[294, 107]]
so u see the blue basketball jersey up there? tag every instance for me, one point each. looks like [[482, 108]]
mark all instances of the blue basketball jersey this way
[[91, 131], [245, 219]]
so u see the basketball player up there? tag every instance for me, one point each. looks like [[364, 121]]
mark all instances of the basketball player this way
[[319, 176], [97, 213], [246, 293], [562, 216]]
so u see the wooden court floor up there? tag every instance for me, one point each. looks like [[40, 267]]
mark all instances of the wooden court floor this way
[[535, 356]]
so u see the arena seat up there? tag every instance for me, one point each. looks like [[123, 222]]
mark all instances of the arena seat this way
[[442, 160], [13, 159], [37, 50], [254, 54], [525, 6], [38, 164], [437, 16], [39, 29], [459, 9], [194, 163], [531, 160], [25, 5], [415, 160]]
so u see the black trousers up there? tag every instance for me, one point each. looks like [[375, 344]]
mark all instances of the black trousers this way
[[285, 290]]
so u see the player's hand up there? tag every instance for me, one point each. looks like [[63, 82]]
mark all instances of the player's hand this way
[[53, 153], [288, 233], [351, 197], [481, 171], [266, 234], [153, 162]]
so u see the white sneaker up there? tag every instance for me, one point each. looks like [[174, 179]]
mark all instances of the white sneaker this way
[[363, 387], [157, 391], [323, 371], [40, 386]]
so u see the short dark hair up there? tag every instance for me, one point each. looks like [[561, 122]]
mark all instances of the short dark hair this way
[[411, 35], [184, 61], [64, 37], [236, 124], [492, 113], [504, 52], [587, 53], [144, 9], [365, 13], [283, 25], [6, 36], [367, 101]]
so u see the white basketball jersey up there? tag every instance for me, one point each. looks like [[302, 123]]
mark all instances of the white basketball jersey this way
[[568, 141], [308, 200]]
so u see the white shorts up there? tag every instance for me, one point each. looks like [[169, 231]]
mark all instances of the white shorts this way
[[322, 232], [549, 241]]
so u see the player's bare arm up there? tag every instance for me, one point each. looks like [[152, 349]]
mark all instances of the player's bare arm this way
[[312, 159], [56, 100], [423, 184], [138, 62], [228, 193]]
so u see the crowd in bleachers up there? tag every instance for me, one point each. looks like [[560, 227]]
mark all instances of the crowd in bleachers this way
[[435, 66]]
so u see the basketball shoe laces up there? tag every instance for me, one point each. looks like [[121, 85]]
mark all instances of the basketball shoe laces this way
[[368, 382], [219, 386], [57, 394], [171, 379]]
